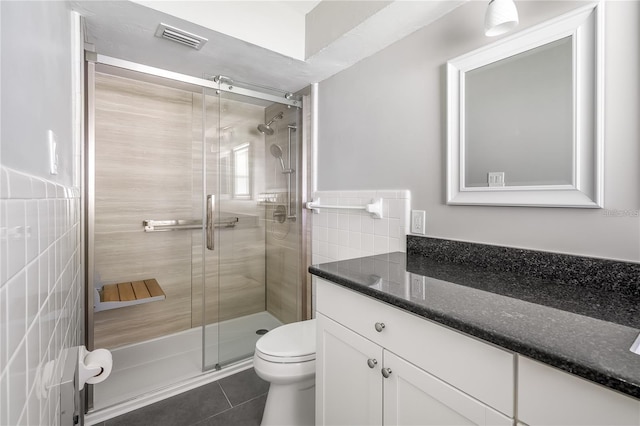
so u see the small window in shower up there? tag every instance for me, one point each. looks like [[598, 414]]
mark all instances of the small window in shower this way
[[225, 175], [241, 171]]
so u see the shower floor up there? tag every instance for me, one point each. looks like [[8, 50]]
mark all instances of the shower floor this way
[[146, 367]]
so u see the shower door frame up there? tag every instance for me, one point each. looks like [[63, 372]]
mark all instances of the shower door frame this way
[[94, 60]]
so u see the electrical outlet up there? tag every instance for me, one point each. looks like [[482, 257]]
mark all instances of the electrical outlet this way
[[418, 221], [418, 287], [495, 179]]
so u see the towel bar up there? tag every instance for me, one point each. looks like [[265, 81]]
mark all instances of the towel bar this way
[[374, 208]]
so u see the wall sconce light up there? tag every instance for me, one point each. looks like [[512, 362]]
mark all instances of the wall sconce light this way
[[501, 17]]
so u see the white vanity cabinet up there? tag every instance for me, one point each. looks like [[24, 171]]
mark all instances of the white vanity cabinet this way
[[547, 396], [380, 365]]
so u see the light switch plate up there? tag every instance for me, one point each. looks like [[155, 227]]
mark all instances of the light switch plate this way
[[53, 152]]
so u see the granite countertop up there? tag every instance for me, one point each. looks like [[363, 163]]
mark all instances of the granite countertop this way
[[583, 330]]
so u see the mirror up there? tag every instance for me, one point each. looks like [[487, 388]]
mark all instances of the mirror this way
[[524, 123]]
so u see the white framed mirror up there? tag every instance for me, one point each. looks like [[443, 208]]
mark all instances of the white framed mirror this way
[[524, 114]]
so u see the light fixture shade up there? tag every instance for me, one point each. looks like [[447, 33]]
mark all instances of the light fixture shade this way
[[501, 17]]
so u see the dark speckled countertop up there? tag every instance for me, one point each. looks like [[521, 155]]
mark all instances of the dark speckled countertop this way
[[585, 330]]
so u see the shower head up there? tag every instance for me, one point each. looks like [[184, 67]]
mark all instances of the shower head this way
[[266, 129], [276, 151]]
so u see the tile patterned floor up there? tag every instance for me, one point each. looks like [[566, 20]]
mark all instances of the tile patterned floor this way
[[236, 400]]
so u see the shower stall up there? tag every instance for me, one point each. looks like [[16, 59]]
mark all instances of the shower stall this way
[[194, 226]]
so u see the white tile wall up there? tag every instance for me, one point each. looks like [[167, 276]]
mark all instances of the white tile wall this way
[[40, 292], [346, 234]]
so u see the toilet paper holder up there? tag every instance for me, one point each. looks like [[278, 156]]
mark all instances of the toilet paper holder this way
[[79, 367]]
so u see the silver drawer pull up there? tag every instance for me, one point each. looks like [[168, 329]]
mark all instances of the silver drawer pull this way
[[371, 362], [379, 326], [386, 372]]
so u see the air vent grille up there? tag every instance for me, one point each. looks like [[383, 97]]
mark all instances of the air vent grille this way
[[179, 36]]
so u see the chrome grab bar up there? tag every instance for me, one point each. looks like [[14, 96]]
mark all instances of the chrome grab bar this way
[[211, 207], [170, 225], [291, 212], [179, 225]]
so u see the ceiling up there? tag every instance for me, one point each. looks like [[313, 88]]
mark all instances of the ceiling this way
[[125, 30]]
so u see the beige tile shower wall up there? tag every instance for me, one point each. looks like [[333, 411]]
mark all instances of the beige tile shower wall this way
[[235, 271], [346, 234], [283, 239], [143, 171]]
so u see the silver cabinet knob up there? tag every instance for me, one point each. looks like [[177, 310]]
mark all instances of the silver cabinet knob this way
[[386, 372], [372, 362], [379, 326]]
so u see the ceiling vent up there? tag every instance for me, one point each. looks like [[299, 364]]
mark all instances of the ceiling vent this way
[[180, 36]]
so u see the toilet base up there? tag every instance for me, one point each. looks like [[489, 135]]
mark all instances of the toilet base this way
[[291, 404]]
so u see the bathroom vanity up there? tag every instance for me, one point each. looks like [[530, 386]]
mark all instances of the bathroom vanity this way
[[407, 339]]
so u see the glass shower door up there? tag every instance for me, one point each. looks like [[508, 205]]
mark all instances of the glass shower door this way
[[236, 160], [207, 196], [163, 147], [234, 271], [145, 230]]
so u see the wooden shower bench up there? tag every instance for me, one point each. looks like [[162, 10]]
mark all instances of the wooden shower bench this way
[[130, 293]]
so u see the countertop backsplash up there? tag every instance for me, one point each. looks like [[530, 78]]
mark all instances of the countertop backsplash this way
[[585, 272]]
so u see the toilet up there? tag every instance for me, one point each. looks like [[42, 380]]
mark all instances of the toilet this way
[[286, 358]]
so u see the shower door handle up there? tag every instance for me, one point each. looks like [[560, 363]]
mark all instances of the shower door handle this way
[[211, 209]]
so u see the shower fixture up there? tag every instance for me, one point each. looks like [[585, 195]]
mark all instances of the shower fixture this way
[[276, 151], [267, 130]]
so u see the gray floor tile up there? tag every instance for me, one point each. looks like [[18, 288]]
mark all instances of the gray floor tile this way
[[247, 414], [243, 386], [181, 410]]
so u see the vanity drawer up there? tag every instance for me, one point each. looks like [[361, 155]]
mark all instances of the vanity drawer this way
[[479, 369]]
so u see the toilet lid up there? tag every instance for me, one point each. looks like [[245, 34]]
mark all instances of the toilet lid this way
[[294, 340]]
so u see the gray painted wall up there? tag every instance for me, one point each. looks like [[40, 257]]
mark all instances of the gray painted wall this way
[[382, 125], [36, 87]]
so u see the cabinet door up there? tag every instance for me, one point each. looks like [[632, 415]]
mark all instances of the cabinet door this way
[[348, 391], [414, 397]]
